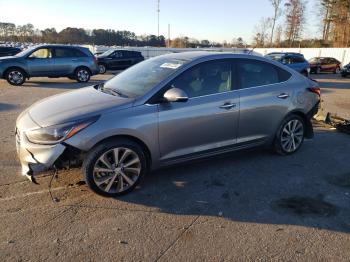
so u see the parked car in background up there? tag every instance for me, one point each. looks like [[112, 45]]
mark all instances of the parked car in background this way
[[134, 122], [74, 62], [345, 71], [295, 61], [324, 64], [9, 51], [118, 59]]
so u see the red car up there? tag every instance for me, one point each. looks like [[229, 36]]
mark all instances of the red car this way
[[324, 64]]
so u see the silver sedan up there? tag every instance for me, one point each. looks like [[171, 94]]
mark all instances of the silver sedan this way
[[164, 111]]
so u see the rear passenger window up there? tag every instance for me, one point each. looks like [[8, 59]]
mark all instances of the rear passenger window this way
[[297, 59], [256, 73], [68, 52]]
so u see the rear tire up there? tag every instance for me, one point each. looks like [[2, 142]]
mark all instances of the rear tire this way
[[82, 74], [115, 167], [15, 77], [290, 135]]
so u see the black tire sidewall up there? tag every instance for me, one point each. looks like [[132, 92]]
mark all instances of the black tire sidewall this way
[[277, 142], [14, 84], [100, 149]]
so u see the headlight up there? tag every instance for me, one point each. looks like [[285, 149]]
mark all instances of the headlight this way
[[57, 133]]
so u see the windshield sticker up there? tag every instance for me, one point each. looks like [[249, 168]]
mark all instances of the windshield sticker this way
[[170, 65]]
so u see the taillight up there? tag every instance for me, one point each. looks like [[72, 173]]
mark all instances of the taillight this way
[[315, 90], [95, 59]]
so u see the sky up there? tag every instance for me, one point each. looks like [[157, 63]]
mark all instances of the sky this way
[[216, 20]]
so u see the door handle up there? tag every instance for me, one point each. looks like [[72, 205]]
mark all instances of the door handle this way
[[283, 96], [74, 60], [228, 106]]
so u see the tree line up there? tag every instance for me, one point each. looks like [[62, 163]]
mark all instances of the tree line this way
[[71, 35], [286, 25], [9, 32]]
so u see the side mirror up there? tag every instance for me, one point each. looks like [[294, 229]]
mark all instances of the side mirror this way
[[175, 95]]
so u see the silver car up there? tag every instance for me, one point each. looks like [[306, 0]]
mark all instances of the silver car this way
[[164, 111]]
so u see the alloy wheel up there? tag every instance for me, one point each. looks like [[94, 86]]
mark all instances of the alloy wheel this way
[[83, 75], [292, 135], [102, 69], [117, 170], [15, 77]]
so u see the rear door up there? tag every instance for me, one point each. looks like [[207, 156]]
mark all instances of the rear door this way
[[208, 121], [40, 62], [66, 60], [264, 99]]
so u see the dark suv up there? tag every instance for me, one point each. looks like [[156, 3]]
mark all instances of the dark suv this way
[[324, 64], [118, 59], [9, 51], [74, 62], [295, 61]]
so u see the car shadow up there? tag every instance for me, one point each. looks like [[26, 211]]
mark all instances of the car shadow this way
[[254, 187], [7, 107]]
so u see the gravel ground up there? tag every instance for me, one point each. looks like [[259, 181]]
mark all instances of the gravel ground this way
[[250, 205]]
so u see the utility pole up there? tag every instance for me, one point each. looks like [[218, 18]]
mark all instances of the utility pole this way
[[158, 11], [168, 35]]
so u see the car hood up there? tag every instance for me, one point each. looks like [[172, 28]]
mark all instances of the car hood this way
[[75, 105], [5, 58]]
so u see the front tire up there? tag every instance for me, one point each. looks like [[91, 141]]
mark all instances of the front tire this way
[[82, 75], [102, 68], [290, 135], [15, 77], [337, 71], [115, 167]]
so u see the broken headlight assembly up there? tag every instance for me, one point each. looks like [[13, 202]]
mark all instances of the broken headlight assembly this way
[[57, 133]]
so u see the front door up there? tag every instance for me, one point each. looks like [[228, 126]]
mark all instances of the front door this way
[[40, 62], [208, 120]]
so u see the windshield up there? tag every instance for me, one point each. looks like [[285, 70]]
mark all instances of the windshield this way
[[314, 60], [107, 53], [139, 79], [26, 51], [276, 57]]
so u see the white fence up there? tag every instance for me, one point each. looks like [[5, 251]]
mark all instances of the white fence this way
[[341, 54]]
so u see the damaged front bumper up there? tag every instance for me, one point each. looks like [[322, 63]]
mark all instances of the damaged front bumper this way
[[34, 158]]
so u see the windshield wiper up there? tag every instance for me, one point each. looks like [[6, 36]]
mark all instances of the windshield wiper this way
[[110, 91]]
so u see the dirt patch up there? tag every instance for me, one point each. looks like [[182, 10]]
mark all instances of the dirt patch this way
[[304, 206]]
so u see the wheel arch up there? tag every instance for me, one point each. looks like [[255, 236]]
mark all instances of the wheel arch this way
[[134, 139], [82, 66], [309, 133], [15, 67]]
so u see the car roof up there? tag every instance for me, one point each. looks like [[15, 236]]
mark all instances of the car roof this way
[[285, 53], [194, 55]]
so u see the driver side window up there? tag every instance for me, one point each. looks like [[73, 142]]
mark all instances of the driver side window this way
[[41, 53], [205, 79]]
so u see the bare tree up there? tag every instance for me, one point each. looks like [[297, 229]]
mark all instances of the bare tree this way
[[261, 35], [295, 18], [278, 36], [277, 13]]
